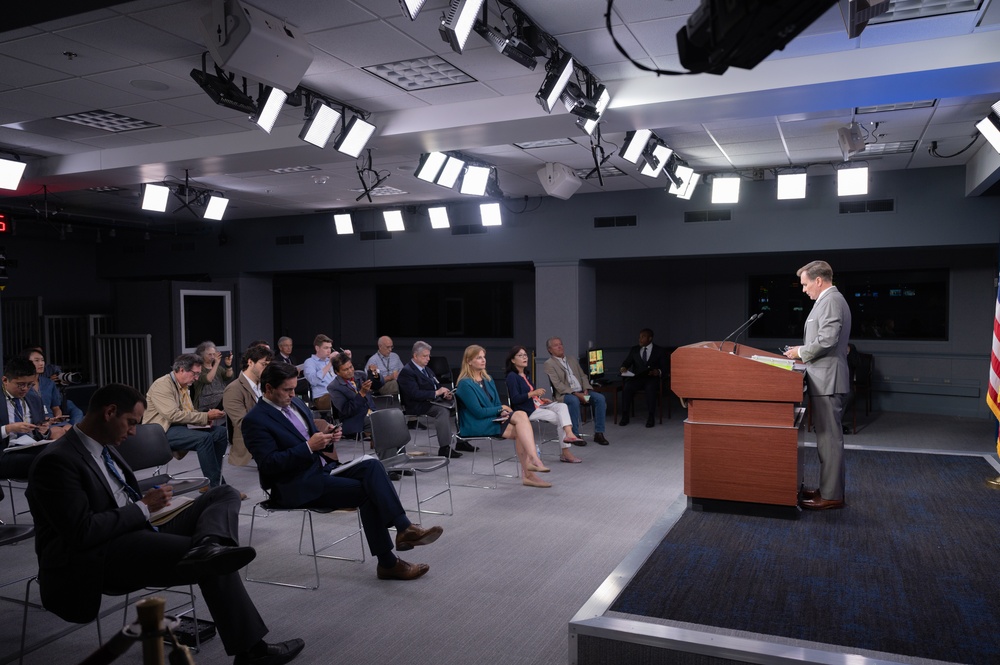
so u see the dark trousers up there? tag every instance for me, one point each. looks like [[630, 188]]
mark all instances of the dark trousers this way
[[148, 558], [647, 384], [366, 486]]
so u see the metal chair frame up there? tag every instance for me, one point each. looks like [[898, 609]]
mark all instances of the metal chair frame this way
[[490, 440]]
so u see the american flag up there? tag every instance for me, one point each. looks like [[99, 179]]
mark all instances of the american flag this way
[[992, 398]]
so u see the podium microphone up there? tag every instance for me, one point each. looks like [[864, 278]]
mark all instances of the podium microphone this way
[[739, 329], [736, 340]]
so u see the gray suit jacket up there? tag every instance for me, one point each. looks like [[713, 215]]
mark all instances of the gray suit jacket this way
[[560, 379], [824, 348]]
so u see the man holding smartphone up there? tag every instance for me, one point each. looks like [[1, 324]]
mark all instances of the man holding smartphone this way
[[351, 395]]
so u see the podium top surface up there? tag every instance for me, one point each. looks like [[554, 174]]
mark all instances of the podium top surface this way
[[703, 371]]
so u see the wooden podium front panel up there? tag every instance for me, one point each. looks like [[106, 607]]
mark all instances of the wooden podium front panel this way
[[726, 412], [733, 463]]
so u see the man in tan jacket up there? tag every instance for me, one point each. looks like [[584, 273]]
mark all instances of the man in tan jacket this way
[[170, 407], [240, 396]]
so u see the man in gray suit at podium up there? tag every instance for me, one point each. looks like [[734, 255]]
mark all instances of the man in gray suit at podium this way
[[828, 378]]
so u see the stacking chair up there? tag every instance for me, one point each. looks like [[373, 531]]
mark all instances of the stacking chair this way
[[494, 462], [268, 507], [442, 370], [390, 435], [148, 449]]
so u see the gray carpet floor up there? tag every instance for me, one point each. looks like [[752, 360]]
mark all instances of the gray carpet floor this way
[[513, 566]]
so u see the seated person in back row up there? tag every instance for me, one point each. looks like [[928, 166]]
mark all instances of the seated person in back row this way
[[388, 365], [318, 368], [240, 396], [646, 362], [351, 395], [22, 418], [571, 387]]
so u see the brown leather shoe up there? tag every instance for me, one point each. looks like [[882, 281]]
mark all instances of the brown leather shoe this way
[[402, 571], [809, 494], [819, 503], [414, 536]]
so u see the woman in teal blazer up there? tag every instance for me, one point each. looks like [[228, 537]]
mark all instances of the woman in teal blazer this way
[[479, 406]]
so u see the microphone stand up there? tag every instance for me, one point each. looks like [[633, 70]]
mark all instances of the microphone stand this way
[[741, 328]]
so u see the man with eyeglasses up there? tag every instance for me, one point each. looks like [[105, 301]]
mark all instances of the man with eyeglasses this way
[[22, 420], [387, 365], [171, 408]]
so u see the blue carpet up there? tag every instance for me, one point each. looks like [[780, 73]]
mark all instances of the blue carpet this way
[[909, 567]]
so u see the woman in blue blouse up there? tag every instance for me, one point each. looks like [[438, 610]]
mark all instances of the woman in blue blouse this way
[[480, 405], [526, 397]]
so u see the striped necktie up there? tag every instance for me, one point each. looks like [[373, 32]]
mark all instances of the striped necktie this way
[[130, 491]]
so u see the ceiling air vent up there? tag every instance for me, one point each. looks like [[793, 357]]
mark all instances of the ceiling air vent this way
[[290, 240], [692, 216], [611, 222], [872, 205], [376, 235]]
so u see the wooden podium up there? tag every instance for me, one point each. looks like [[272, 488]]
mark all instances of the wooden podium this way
[[741, 436]]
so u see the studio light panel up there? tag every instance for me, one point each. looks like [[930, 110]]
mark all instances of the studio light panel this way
[[10, 173]]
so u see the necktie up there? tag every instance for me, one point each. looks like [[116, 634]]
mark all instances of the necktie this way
[[130, 491], [296, 422], [18, 410], [644, 354]]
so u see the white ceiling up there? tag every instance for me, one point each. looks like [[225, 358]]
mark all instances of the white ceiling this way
[[784, 112]]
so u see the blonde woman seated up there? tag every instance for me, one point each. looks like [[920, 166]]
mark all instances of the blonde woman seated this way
[[526, 397], [480, 406]]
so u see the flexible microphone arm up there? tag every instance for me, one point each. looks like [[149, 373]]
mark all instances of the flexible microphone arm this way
[[736, 340], [738, 330]]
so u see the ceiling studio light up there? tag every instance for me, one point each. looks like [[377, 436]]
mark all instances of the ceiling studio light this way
[[791, 186], [10, 173], [490, 214], [449, 174], [689, 180], [557, 74], [655, 159], [726, 189], [318, 128], [223, 91], [411, 8], [216, 207], [853, 181], [355, 136], [439, 217], [635, 144], [475, 179], [154, 197], [457, 22], [274, 99], [430, 166], [393, 220], [990, 126], [344, 224], [509, 45], [600, 101]]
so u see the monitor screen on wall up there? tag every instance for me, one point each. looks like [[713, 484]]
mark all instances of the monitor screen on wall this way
[[206, 315], [888, 304]]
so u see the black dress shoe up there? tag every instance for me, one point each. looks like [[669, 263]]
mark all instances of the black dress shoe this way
[[623, 422], [650, 423], [446, 451], [465, 446], [214, 559], [271, 654], [600, 440]]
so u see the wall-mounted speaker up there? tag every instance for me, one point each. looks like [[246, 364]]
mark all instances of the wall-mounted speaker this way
[[558, 180]]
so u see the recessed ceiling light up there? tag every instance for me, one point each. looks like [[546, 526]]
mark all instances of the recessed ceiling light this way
[[420, 73], [545, 143], [294, 169], [107, 121]]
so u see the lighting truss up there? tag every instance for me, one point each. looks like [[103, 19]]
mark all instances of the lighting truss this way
[[726, 189], [354, 137], [320, 124], [458, 21], [10, 173], [557, 73], [344, 224]]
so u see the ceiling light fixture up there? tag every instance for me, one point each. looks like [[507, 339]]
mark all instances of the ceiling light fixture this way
[[154, 197], [508, 44], [274, 99], [344, 224], [990, 126], [852, 181], [557, 73], [393, 220], [354, 137], [10, 173], [320, 123], [221, 88], [688, 181], [439, 217], [600, 101], [490, 214], [475, 179], [430, 166], [655, 158], [791, 186], [411, 8], [635, 144], [449, 174], [726, 189], [216, 207], [458, 21]]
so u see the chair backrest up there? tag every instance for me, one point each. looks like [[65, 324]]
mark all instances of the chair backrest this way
[[386, 402], [442, 370], [389, 431], [147, 448], [303, 390]]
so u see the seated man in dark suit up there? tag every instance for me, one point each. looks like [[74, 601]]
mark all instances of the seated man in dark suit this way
[[93, 534], [647, 362], [23, 417], [421, 394], [351, 395], [282, 437]]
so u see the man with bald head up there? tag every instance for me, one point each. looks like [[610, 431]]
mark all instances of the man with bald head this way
[[388, 365]]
